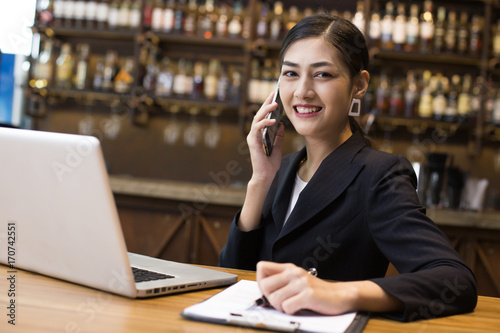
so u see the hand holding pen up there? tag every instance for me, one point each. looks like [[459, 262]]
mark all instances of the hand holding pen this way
[[263, 301]]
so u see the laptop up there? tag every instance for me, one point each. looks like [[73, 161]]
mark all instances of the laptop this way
[[58, 218]]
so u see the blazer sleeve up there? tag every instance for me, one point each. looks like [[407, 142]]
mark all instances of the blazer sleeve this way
[[242, 247], [433, 280]]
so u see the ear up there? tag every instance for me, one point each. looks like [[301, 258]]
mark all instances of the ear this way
[[361, 84]]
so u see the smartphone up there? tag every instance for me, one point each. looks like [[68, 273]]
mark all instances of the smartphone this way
[[269, 133]]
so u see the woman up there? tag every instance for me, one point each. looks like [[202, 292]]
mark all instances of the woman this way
[[339, 206]]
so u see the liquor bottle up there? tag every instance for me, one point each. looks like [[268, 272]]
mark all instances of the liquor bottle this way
[[91, 14], [59, 12], [396, 101], [254, 83], [263, 22], [476, 98], [399, 29], [109, 71], [412, 30], [464, 99], [98, 75], [191, 19], [439, 30], [179, 87], [223, 84], [410, 96], [198, 80], [102, 14], [165, 82], [157, 15], [267, 83], [189, 82], [148, 14], [114, 14], [210, 88], [386, 25], [180, 16], [382, 95], [81, 66], [64, 67], [276, 25], [150, 79], [44, 66], [359, 17], [135, 14], [221, 24], [476, 41], [463, 34], [495, 114], [293, 17], [235, 26], [439, 102], [124, 14], [426, 28], [206, 20], [69, 10], [124, 78], [79, 13], [375, 30], [425, 103], [496, 40], [451, 112], [450, 38]]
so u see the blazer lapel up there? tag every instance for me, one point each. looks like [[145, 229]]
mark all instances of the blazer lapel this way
[[333, 176]]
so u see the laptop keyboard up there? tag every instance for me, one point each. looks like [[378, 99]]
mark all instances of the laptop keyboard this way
[[142, 275]]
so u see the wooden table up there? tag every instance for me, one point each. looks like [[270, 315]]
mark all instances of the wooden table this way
[[44, 304]]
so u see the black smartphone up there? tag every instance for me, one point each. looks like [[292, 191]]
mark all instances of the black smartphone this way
[[269, 133]]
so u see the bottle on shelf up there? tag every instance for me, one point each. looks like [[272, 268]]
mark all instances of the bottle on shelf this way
[[476, 98], [476, 39], [399, 29], [464, 99], [463, 34], [375, 30], [198, 80], [359, 17], [91, 14], [98, 75], [235, 86], [387, 27], [254, 82], [124, 78], [82, 66], [410, 96], [180, 16], [149, 81], [188, 90], [191, 18], [425, 102], [211, 79], [148, 14], [59, 12], [440, 30], [235, 26], [450, 39], [79, 13], [412, 30], [293, 17], [276, 25], [451, 111], [221, 24], [157, 15], [223, 84], [382, 95], [114, 14], [123, 21], [64, 67], [165, 82], [109, 71], [134, 21], [496, 40], [102, 14], [426, 28], [179, 87], [69, 10], [262, 29], [439, 101], [206, 20], [44, 66]]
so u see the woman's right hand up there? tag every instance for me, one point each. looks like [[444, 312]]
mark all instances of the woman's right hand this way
[[264, 167]]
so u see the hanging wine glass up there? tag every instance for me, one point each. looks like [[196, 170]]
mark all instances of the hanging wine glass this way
[[172, 131], [112, 125], [86, 124], [192, 133], [213, 133]]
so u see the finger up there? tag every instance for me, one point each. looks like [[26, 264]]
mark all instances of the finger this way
[[267, 268]]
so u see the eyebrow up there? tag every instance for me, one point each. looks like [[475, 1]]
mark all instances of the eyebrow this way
[[316, 64]]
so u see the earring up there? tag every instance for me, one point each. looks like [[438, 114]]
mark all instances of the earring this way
[[358, 108]]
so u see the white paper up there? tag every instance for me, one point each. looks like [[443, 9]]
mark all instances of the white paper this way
[[239, 299]]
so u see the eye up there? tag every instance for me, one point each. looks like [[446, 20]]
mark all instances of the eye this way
[[289, 73], [323, 75]]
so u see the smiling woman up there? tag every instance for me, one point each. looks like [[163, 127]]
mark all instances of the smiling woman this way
[[338, 205]]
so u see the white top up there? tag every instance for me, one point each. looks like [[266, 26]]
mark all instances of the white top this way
[[297, 188]]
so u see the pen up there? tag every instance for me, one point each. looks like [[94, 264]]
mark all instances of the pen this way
[[262, 301]]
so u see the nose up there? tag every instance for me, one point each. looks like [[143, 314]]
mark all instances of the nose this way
[[304, 89]]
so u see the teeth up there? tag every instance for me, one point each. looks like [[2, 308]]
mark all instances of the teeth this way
[[306, 110]]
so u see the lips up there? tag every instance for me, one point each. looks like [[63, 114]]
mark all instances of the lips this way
[[306, 110]]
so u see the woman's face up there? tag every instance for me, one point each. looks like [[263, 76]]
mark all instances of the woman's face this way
[[316, 89]]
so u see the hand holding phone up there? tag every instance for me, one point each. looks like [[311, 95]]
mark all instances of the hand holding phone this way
[[269, 133]]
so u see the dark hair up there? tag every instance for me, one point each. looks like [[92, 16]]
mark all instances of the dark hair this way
[[341, 34]]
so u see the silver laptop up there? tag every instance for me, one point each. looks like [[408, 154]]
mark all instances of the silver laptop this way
[[58, 218]]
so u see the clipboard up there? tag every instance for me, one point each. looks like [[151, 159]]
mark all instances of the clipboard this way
[[235, 306]]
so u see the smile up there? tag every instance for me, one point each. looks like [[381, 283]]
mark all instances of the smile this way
[[307, 110]]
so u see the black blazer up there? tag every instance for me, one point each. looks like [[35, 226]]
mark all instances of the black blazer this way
[[359, 212]]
